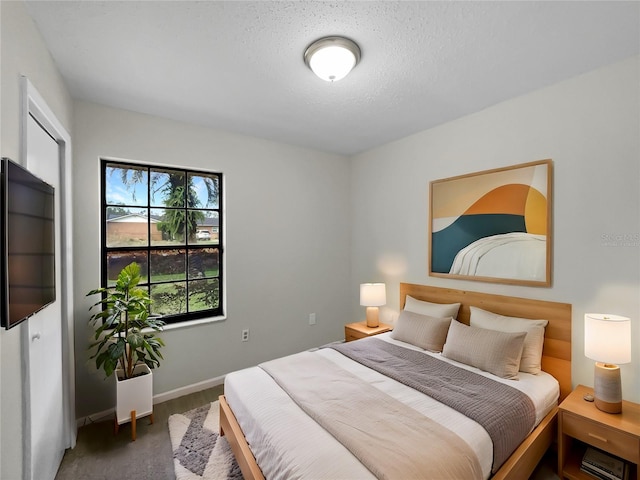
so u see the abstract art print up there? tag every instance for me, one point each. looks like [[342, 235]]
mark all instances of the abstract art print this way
[[493, 226]]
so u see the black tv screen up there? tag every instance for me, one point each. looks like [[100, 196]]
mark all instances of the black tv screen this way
[[28, 234]]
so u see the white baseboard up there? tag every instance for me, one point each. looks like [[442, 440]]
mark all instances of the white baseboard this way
[[159, 398], [182, 391], [95, 417]]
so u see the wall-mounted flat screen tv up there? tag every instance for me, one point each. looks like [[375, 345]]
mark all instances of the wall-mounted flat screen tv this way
[[28, 244]]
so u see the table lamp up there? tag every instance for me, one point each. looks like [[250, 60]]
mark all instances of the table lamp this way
[[372, 296], [607, 340]]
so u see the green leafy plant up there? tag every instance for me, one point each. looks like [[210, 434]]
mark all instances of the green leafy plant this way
[[120, 336]]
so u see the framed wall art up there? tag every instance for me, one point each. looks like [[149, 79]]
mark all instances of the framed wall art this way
[[493, 226]]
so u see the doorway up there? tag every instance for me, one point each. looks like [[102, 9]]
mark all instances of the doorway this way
[[47, 339]]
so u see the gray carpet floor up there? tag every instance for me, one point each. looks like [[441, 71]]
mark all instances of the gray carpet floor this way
[[101, 455]]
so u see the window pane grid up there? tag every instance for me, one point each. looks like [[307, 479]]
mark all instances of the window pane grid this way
[[174, 234]]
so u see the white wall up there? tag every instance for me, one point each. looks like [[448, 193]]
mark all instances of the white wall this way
[[23, 53], [305, 228], [590, 127], [287, 213]]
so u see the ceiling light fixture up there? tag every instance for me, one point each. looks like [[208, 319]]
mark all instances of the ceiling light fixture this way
[[332, 58]]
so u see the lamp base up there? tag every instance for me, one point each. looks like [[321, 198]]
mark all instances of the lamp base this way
[[372, 317], [607, 388]]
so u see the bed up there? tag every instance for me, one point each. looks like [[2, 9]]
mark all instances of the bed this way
[[274, 436]]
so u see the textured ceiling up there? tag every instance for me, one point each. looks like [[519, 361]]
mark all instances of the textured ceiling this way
[[238, 66]]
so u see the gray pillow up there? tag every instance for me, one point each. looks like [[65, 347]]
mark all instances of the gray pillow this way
[[489, 350], [422, 331], [438, 310], [531, 361]]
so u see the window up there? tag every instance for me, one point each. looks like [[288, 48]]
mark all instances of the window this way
[[169, 221]]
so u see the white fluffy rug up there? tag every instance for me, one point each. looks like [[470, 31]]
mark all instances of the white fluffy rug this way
[[199, 453]]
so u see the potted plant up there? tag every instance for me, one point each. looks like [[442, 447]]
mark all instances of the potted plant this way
[[126, 343]]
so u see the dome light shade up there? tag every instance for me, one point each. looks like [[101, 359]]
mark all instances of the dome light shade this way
[[332, 58]]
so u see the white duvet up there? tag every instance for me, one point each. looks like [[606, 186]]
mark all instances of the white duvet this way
[[289, 445]]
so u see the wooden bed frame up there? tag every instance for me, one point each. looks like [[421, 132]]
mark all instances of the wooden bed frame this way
[[556, 360]]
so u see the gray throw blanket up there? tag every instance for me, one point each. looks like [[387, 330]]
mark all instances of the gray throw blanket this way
[[507, 414], [391, 439]]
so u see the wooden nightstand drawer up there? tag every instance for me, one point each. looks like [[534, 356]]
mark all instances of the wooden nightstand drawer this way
[[357, 330], [350, 335], [616, 433], [601, 436]]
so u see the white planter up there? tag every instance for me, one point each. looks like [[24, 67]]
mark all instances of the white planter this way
[[135, 393]]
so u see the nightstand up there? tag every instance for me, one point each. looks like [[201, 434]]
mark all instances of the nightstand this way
[[354, 331], [581, 424]]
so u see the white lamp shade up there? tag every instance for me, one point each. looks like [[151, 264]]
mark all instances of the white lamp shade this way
[[373, 294], [607, 338]]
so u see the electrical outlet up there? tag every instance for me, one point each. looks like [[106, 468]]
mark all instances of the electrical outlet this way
[[245, 335], [312, 319]]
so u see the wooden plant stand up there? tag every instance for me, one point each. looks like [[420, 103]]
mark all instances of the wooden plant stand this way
[[133, 425]]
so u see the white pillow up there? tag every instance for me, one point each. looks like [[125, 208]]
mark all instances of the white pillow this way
[[438, 310], [531, 361], [489, 350], [422, 331]]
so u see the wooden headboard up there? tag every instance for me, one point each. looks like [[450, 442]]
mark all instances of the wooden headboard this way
[[556, 356]]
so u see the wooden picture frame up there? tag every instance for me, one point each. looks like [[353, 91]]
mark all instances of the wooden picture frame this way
[[493, 226]]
